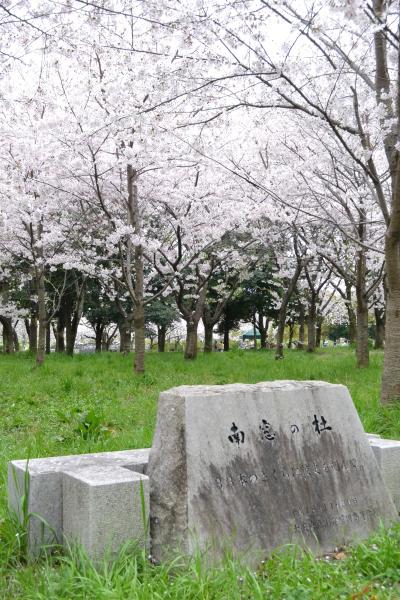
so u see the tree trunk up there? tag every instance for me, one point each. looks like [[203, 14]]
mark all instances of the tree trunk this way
[[351, 315], [73, 332], [280, 333], [138, 321], [208, 336], [31, 328], [59, 333], [391, 361], [8, 337], [362, 350], [318, 332], [41, 301], [263, 339], [69, 338], [16, 340], [291, 333], [311, 323], [137, 294], [191, 339], [300, 345], [125, 336], [73, 324], [379, 327], [263, 329], [254, 333], [98, 332], [48, 338], [162, 331], [352, 325], [282, 311], [226, 337], [391, 364]]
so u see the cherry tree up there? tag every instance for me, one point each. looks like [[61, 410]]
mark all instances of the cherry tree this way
[[36, 231], [204, 235], [323, 69]]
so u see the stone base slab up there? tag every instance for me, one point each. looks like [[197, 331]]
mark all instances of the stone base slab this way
[[387, 454], [48, 491]]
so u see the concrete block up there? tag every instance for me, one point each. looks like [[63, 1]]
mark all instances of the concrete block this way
[[387, 454], [42, 480], [103, 508], [41, 493]]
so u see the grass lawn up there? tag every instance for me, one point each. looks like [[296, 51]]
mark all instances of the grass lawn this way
[[43, 412]]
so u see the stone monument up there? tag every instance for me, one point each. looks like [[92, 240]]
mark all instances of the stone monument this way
[[257, 466]]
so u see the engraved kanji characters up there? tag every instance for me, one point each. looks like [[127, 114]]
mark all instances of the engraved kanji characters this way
[[266, 431], [236, 437], [320, 426], [268, 434]]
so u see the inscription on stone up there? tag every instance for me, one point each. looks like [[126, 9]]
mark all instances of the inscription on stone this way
[[258, 466]]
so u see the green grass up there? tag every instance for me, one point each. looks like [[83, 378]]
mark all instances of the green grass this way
[[95, 403]]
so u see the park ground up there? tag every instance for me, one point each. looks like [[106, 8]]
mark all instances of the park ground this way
[[94, 403]]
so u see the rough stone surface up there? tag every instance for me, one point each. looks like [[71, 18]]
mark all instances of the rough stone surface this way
[[103, 508], [258, 466], [43, 480], [387, 454], [43, 513]]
